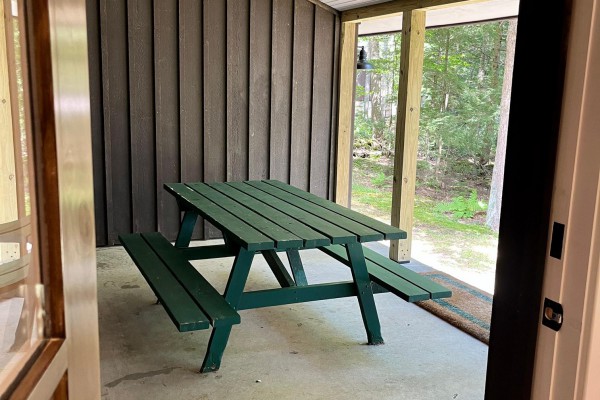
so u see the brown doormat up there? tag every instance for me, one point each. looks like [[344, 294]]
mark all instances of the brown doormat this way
[[469, 308]]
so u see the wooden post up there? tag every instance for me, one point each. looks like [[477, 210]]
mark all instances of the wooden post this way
[[8, 181], [346, 113], [407, 130]]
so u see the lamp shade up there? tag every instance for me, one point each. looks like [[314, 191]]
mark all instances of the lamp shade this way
[[362, 60]]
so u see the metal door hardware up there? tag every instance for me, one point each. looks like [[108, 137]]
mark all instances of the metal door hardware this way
[[553, 315]]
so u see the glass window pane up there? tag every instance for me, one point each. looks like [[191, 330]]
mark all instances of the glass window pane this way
[[21, 312]]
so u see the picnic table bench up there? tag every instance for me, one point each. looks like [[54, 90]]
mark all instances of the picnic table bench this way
[[267, 217]]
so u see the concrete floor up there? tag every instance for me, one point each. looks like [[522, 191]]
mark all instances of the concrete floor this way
[[302, 351]]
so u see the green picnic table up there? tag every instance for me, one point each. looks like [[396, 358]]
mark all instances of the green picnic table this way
[[267, 217]]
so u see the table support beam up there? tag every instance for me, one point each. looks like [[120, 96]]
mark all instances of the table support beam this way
[[407, 130], [296, 294], [233, 293], [188, 222], [364, 292], [281, 274], [297, 267]]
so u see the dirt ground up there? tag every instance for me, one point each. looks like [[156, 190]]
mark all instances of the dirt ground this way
[[438, 246]]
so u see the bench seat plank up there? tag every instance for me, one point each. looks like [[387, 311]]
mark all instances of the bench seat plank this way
[[311, 237], [437, 291], [181, 308], [364, 233], [336, 234], [387, 279], [206, 296], [388, 231], [283, 238], [245, 235]]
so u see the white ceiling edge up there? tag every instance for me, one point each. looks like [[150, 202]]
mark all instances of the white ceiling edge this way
[[455, 15], [342, 5]]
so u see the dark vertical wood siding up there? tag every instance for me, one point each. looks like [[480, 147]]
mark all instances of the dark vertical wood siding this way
[[141, 110], [209, 90], [302, 68], [238, 45], [281, 88], [259, 126], [115, 90], [96, 112], [166, 103], [191, 95], [322, 82]]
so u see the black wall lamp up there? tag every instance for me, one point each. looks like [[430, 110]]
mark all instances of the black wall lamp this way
[[362, 59]]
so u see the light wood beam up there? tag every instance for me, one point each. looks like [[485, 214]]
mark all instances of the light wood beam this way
[[8, 181], [346, 113], [395, 8], [407, 130]]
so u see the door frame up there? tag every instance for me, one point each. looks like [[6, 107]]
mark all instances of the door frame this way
[[68, 362], [527, 192]]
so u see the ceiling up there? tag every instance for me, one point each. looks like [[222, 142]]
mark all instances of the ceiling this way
[[342, 5], [451, 15]]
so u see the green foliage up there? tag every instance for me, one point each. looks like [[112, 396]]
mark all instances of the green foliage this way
[[462, 207], [463, 70], [381, 179]]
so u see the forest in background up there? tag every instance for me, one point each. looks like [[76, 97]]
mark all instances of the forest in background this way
[[462, 114]]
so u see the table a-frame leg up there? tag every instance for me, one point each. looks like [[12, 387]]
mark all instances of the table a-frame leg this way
[[364, 292], [296, 265], [281, 274], [233, 293], [187, 229]]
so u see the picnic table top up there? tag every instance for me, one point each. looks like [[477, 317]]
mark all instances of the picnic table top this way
[[269, 214]]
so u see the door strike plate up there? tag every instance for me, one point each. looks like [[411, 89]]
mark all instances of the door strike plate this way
[[553, 315]]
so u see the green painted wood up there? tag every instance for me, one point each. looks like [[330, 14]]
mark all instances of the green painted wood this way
[[216, 346], [238, 276], [296, 294], [187, 229], [206, 252], [311, 237], [181, 308], [283, 238], [281, 274], [388, 231], [364, 233], [297, 267], [364, 293], [245, 235], [206, 296], [335, 234], [233, 292], [437, 291], [390, 281]]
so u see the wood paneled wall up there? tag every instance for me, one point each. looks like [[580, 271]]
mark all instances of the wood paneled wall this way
[[207, 90]]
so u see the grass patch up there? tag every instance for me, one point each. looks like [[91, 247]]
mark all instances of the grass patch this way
[[426, 211], [462, 241]]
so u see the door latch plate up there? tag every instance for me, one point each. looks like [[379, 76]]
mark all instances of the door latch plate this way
[[552, 316]]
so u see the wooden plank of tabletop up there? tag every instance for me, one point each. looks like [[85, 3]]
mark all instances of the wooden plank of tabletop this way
[[364, 233], [311, 237], [388, 231], [335, 234], [283, 238], [245, 235]]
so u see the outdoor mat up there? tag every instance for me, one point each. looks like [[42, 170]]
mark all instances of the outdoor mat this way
[[469, 308]]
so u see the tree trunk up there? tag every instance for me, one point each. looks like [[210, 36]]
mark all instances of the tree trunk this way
[[495, 201], [377, 116]]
